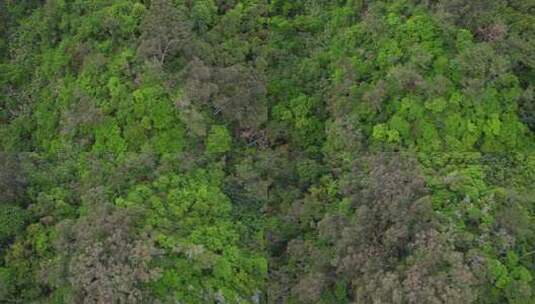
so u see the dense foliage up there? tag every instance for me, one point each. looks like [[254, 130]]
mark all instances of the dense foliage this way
[[254, 151]]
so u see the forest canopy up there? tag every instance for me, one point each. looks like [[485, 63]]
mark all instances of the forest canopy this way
[[255, 151]]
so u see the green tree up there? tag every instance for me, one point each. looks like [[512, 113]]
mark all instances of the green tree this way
[[218, 140]]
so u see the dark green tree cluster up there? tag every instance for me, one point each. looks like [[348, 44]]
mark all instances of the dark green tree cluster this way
[[227, 151]]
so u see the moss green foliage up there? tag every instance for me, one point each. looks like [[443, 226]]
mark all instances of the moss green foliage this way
[[191, 221], [12, 218], [218, 140], [254, 151]]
